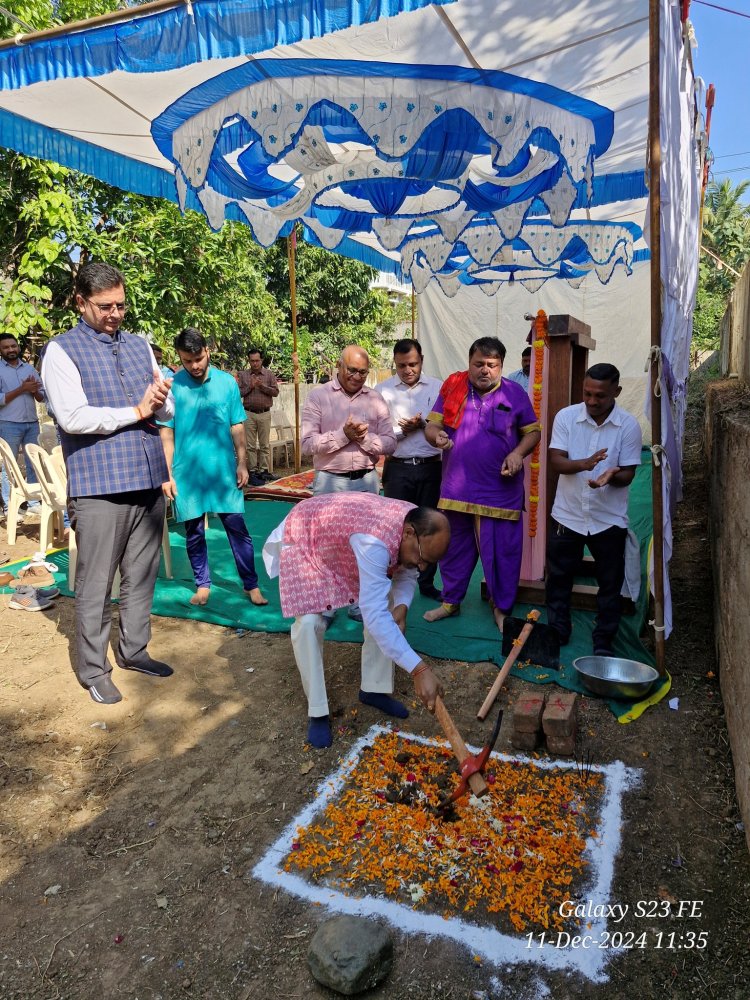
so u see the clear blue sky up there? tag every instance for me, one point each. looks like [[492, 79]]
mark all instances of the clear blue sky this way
[[723, 58]]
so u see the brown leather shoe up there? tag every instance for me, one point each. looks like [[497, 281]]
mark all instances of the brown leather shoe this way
[[34, 576]]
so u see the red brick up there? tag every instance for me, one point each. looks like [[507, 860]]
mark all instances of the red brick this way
[[525, 741], [564, 746], [527, 713], [559, 719]]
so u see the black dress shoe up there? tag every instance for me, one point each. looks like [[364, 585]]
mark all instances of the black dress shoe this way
[[154, 668], [255, 479], [267, 477], [104, 692], [431, 592]]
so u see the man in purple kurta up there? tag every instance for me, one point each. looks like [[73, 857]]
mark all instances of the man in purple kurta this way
[[486, 426]]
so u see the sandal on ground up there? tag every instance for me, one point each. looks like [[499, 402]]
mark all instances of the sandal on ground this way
[[39, 559]]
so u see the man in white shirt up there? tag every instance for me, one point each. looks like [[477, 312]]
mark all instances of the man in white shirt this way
[[106, 392], [335, 549], [413, 471], [595, 448], [521, 376]]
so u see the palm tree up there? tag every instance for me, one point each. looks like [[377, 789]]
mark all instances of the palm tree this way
[[726, 222]]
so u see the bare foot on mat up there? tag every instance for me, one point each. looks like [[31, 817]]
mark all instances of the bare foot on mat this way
[[444, 611], [201, 596], [499, 618], [256, 597]]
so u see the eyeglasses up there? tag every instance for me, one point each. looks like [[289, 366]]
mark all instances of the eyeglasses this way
[[419, 550], [362, 372], [108, 307]]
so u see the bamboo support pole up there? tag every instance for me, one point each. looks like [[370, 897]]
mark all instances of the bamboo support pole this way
[[291, 245], [113, 17]]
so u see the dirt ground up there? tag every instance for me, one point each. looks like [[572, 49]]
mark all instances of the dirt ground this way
[[149, 816]]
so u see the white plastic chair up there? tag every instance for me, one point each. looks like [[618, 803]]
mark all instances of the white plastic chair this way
[[53, 495], [20, 490], [282, 436]]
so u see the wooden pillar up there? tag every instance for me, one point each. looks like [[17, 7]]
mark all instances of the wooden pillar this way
[[570, 341]]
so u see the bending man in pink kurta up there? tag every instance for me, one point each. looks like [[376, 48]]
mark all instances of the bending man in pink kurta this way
[[334, 550], [485, 426]]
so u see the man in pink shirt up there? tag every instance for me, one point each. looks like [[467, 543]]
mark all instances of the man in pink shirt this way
[[346, 427]]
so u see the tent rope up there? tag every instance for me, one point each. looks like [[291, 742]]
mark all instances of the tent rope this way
[[657, 451], [655, 627], [655, 356]]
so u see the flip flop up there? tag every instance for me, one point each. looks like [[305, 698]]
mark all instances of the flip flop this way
[[38, 559]]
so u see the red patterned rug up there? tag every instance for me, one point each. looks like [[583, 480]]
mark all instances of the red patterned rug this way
[[296, 487]]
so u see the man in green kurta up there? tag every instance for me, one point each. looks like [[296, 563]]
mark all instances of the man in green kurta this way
[[204, 444]]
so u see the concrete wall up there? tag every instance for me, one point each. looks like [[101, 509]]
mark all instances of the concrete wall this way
[[727, 443]]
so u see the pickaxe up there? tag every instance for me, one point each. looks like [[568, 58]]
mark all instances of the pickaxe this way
[[471, 766]]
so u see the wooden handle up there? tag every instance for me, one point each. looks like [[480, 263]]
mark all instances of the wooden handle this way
[[511, 658], [476, 782]]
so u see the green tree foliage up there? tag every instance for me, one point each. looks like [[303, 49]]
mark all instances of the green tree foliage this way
[[335, 305], [726, 233], [178, 272]]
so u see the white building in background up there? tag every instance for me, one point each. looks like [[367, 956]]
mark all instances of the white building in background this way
[[390, 283]]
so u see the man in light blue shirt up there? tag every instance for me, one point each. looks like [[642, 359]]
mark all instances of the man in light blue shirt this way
[[204, 445], [521, 376], [20, 387]]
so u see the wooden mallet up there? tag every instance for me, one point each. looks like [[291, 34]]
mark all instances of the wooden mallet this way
[[466, 760], [531, 618]]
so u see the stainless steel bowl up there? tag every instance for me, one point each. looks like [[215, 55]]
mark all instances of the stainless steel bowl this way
[[612, 677]]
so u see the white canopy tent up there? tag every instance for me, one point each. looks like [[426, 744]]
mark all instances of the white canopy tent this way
[[367, 121]]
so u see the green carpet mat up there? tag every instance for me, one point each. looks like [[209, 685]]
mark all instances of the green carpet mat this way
[[470, 636]]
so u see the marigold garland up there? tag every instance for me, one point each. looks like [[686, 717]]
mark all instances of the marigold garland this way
[[540, 331], [514, 853]]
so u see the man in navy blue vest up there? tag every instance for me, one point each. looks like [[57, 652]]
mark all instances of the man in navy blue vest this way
[[106, 392]]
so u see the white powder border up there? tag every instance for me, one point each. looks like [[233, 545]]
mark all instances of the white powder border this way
[[492, 945]]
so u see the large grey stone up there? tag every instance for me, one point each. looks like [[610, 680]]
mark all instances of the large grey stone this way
[[350, 954]]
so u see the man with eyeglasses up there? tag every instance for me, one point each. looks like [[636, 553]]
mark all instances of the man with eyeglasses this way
[[106, 392], [332, 550], [346, 427]]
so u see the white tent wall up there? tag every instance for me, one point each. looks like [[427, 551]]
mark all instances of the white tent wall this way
[[618, 314]]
